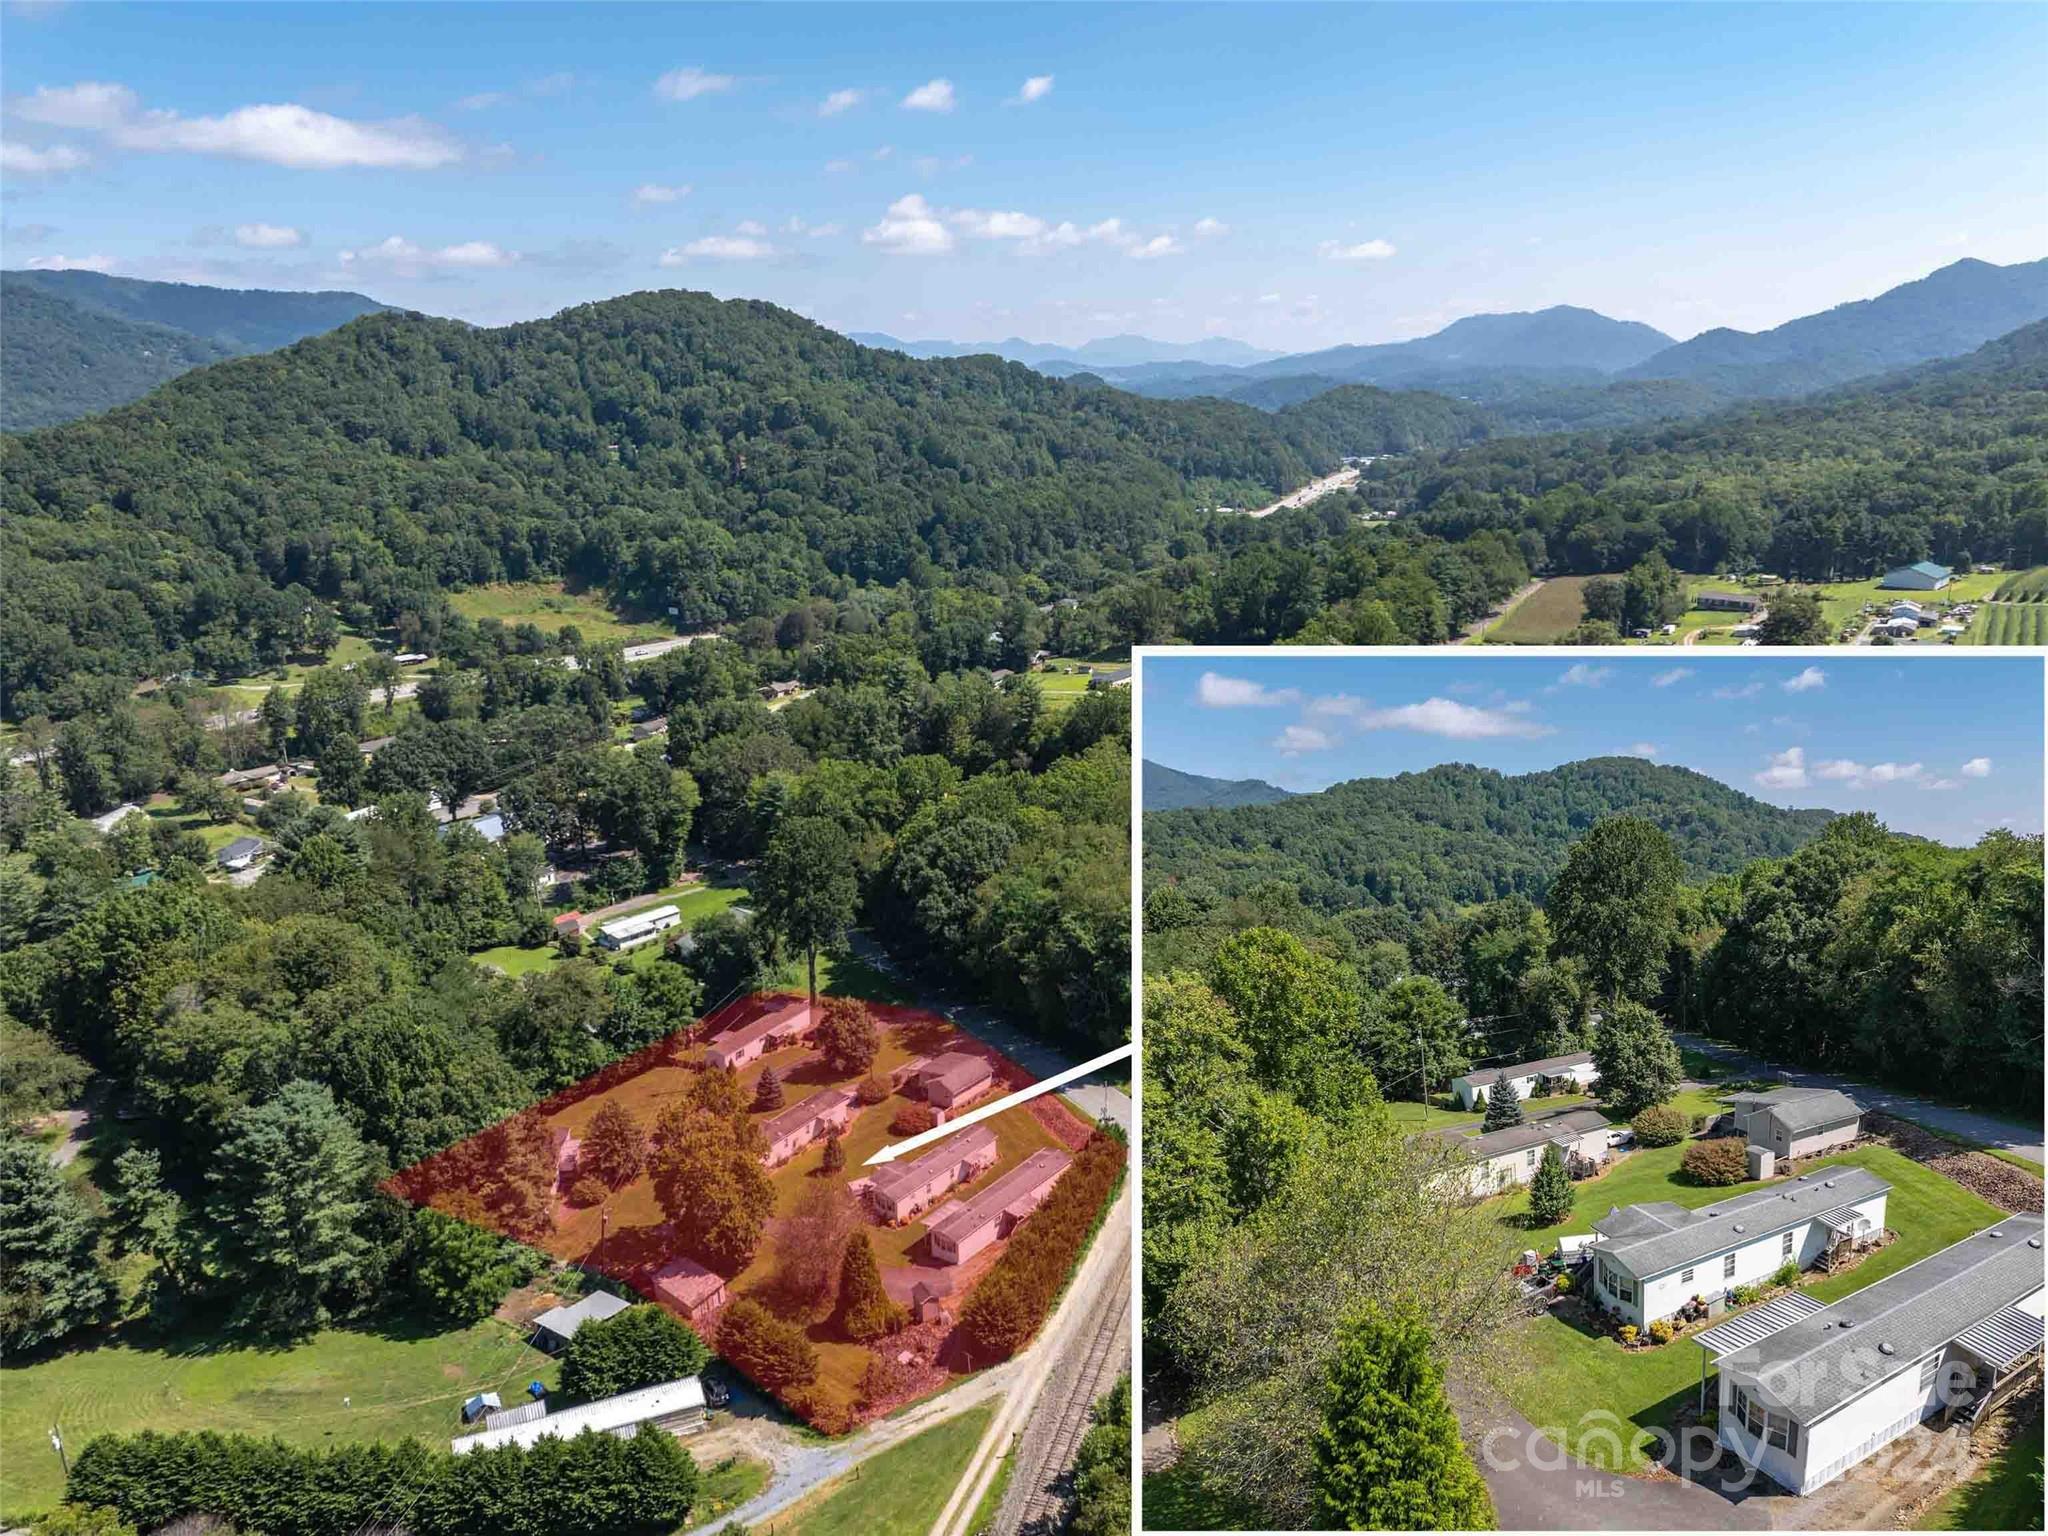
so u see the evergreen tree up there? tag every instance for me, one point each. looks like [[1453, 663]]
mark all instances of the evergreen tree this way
[[768, 1091], [291, 1190], [1550, 1193], [834, 1158], [1388, 1456], [865, 1310], [51, 1280], [1503, 1105]]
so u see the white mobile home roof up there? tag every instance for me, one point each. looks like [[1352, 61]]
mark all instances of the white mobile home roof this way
[[1547, 1065], [638, 923], [1649, 1240], [605, 1416]]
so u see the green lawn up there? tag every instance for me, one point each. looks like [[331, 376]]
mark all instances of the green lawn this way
[[1841, 601], [1552, 610], [1551, 1362], [725, 1487], [1176, 1500], [549, 605], [985, 1512], [695, 901], [409, 1380], [2005, 1496], [901, 1491]]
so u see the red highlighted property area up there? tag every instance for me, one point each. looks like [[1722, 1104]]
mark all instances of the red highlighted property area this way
[[720, 1173]]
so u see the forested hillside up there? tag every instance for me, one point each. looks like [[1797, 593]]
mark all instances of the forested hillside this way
[[1948, 461], [710, 459], [76, 342], [1168, 789], [1455, 835]]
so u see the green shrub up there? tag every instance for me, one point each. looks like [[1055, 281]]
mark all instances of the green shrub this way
[[642, 1346], [1659, 1126], [1787, 1274], [1661, 1331], [1720, 1161], [774, 1353]]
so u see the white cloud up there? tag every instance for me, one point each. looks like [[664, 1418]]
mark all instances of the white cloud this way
[[1839, 770], [1215, 691], [980, 224], [1806, 681], [18, 159], [841, 101], [1643, 749], [911, 227], [1894, 773], [1583, 674], [1364, 250], [1787, 770], [690, 83], [1855, 775], [719, 248], [1336, 704], [1447, 717], [1674, 675], [657, 192], [94, 263], [1941, 783], [1037, 88], [932, 96], [268, 237], [1157, 246], [1977, 768], [1745, 691], [751, 227], [1210, 228], [1297, 739], [276, 133], [396, 254]]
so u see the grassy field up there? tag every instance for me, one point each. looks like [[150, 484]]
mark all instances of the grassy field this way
[[401, 1381], [901, 1491], [2008, 624], [1554, 1363], [1553, 609], [549, 605], [725, 1487], [2005, 1496], [1841, 601]]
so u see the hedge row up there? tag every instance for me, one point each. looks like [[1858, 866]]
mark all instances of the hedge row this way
[[1019, 1290], [643, 1486]]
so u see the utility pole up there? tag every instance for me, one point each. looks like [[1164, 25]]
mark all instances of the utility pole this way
[[1422, 1047]]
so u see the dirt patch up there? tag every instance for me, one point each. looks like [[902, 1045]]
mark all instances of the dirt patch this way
[[2007, 1187]]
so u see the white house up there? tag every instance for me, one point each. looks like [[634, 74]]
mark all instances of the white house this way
[[1652, 1259], [1576, 1067], [1797, 1122], [640, 928], [1823, 1390], [677, 1406], [1501, 1159], [1921, 576]]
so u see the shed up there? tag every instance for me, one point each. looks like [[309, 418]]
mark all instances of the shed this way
[[557, 1326]]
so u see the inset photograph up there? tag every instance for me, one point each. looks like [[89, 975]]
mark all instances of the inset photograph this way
[[1591, 1092]]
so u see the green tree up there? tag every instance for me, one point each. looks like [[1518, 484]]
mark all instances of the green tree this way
[[834, 1156], [1503, 1106], [642, 1346], [768, 1090], [290, 1193], [848, 1037], [1388, 1454], [614, 1145], [37, 1075], [1301, 1014], [1795, 618], [1614, 907], [51, 1278], [865, 1311], [462, 1271], [807, 887], [1550, 1192], [710, 1184], [772, 1352], [1636, 1058]]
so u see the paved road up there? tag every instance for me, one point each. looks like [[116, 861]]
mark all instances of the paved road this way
[[1537, 1487], [2022, 1140], [1315, 490]]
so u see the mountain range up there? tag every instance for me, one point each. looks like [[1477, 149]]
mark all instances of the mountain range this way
[[1104, 352], [76, 342], [1455, 834], [1169, 789]]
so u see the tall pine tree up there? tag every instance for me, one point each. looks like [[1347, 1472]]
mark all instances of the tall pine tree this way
[[865, 1310], [1503, 1105], [1550, 1193], [50, 1276]]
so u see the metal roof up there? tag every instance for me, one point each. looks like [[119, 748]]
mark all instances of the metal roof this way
[[1560, 1125], [1803, 1109], [2003, 1339], [1819, 1363], [564, 1321], [1485, 1075], [1757, 1323], [1021, 1182], [606, 1416], [1744, 1219]]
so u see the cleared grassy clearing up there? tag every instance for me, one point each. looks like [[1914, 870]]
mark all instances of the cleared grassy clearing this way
[[1552, 610], [695, 901], [725, 1487], [407, 1379], [549, 605], [2004, 1496]]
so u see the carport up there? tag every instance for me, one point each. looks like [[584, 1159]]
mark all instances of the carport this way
[[1759, 1323]]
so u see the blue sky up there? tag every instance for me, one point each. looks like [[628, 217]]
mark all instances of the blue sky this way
[[1292, 176], [1947, 748]]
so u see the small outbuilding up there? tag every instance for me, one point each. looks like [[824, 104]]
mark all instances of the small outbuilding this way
[[554, 1328]]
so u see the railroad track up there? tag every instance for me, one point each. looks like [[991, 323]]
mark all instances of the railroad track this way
[[1041, 1487]]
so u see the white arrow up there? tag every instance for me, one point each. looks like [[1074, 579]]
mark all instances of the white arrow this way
[[896, 1149]]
